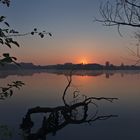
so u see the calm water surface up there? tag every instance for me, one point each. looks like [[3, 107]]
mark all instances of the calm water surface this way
[[46, 89]]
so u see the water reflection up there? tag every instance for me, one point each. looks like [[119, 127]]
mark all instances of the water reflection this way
[[81, 109], [46, 89], [107, 73]]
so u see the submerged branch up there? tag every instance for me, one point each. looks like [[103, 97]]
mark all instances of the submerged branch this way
[[58, 117]]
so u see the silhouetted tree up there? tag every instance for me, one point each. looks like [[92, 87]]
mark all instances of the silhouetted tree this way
[[56, 118], [122, 13], [7, 35], [8, 90]]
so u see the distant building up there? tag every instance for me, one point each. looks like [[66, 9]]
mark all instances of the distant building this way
[[107, 64], [122, 65], [68, 63]]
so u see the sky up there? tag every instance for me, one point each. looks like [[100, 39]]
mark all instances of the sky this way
[[76, 38]]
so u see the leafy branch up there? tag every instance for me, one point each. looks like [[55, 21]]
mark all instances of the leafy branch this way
[[7, 34], [7, 91], [8, 59], [6, 2]]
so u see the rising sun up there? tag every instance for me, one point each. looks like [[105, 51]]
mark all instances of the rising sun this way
[[83, 61]]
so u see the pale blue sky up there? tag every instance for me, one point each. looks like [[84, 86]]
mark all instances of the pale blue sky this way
[[75, 35]]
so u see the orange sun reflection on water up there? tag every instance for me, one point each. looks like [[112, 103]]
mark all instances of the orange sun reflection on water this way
[[80, 81]]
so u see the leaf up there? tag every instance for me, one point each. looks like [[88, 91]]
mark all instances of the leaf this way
[[41, 35], [2, 18], [11, 93], [7, 60], [2, 34], [8, 44], [5, 30], [6, 55], [32, 33], [14, 58], [8, 40], [13, 31], [50, 34], [7, 24], [35, 29], [4, 89], [1, 41], [8, 4], [16, 43]]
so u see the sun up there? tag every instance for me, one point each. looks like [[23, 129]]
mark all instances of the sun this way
[[83, 61]]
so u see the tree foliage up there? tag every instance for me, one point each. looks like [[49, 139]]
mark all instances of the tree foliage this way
[[6, 2], [7, 35], [7, 91], [7, 39]]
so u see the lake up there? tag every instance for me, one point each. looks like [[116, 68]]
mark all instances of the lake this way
[[45, 89]]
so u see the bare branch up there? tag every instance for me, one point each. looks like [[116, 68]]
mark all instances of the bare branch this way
[[132, 4], [58, 117], [120, 14]]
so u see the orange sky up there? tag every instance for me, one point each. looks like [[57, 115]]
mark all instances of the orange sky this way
[[53, 51], [76, 38]]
